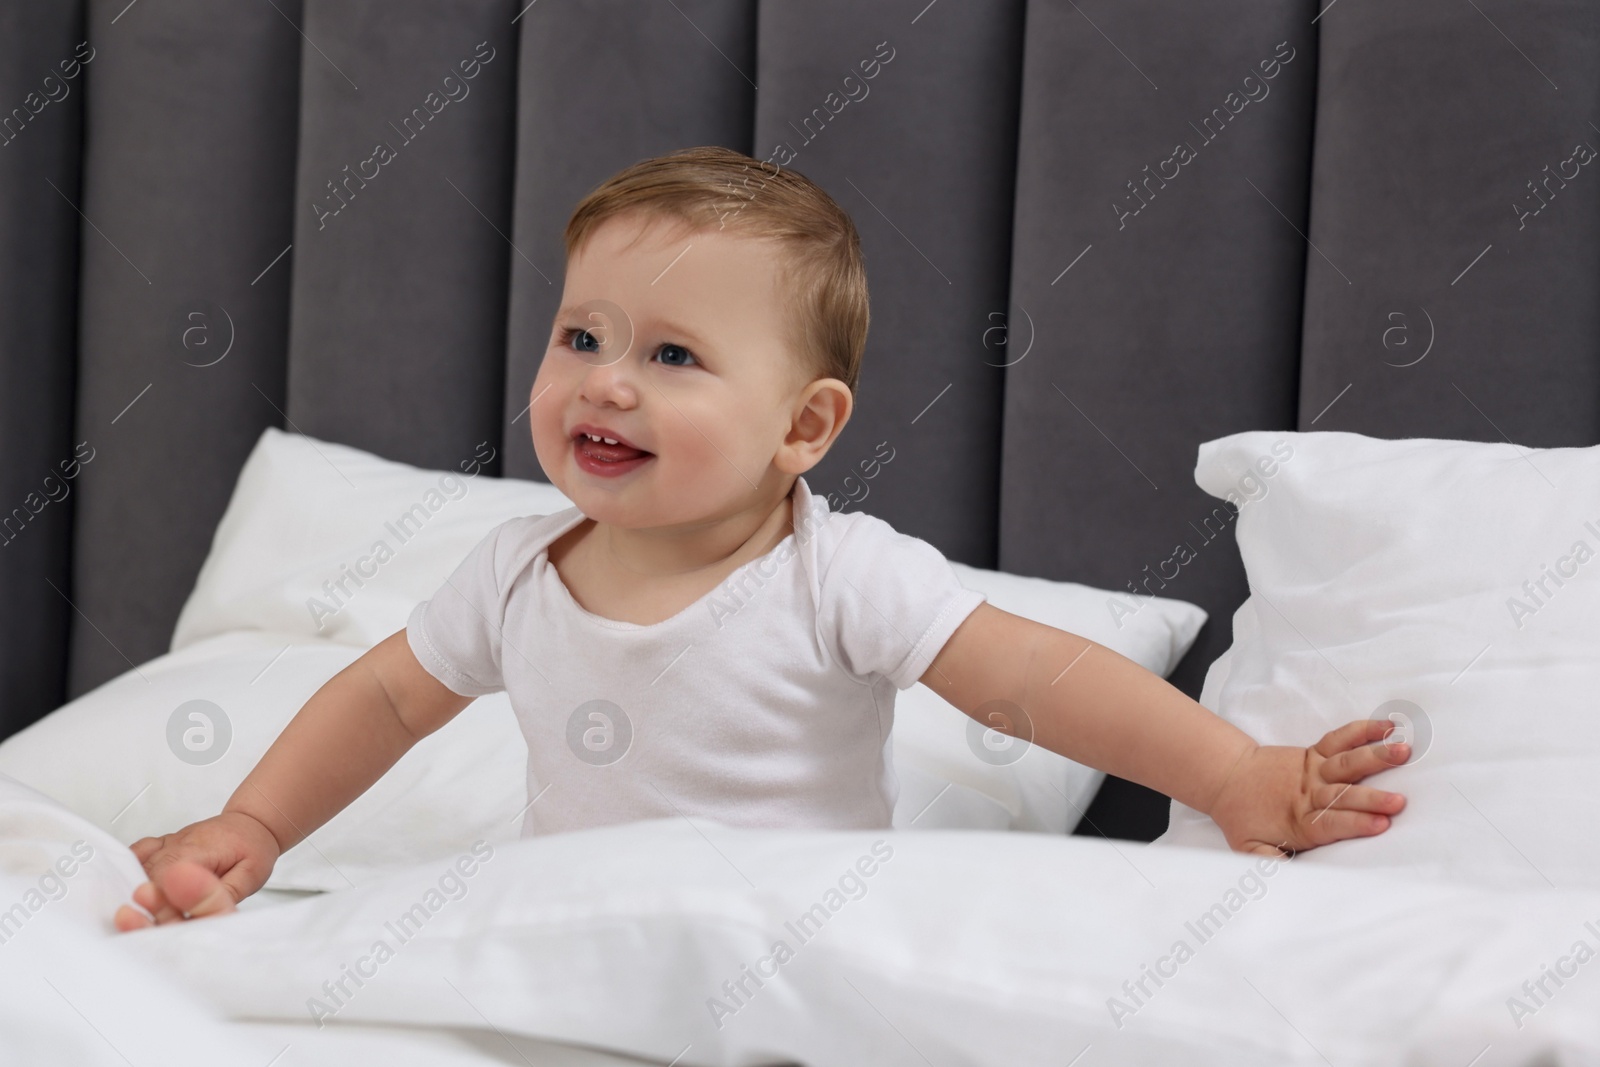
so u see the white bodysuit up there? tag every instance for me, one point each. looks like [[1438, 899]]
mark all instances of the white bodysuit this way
[[766, 703]]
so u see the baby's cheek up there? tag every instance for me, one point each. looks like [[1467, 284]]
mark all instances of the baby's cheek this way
[[712, 453], [545, 428], [690, 455]]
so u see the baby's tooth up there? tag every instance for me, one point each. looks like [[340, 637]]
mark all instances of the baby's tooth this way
[[608, 440]]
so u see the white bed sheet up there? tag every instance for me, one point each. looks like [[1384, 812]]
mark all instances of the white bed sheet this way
[[336, 1044], [341, 1045], [71, 995], [611, 947], [962, 947]]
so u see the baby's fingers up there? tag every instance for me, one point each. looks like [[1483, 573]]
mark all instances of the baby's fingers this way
[[129, 918], [1336, 824], [146, 847], [1354, 764], [1352, 735], [197, 890], [1345, 797], [149, 897]]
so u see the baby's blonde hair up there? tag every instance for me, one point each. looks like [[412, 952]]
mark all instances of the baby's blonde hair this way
[[823, 275]]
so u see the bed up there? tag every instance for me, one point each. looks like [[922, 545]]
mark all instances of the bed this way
[[1090, 352], [653, 920], [418, 924]]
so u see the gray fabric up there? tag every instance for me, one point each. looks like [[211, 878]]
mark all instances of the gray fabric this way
[[40, 147], [397, 320], [1177, 324], [982, 165], [1155, 312], [1406, 198], [187, 181]]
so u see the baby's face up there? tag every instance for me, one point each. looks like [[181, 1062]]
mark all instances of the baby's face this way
[[673, 342]]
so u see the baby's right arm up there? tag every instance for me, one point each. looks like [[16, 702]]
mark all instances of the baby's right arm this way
[[347, 735]]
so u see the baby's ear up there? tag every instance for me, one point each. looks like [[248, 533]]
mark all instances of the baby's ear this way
[[820, 413]]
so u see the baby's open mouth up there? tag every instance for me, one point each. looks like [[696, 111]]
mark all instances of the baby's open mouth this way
[[607, 456], [608, 450]]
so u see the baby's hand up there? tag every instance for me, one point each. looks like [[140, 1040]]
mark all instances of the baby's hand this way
[[206, 868], [1281, 799]]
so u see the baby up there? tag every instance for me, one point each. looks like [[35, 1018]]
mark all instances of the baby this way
[[700, 635]]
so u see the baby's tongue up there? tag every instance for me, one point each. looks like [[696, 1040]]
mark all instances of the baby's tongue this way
[[609, 453]]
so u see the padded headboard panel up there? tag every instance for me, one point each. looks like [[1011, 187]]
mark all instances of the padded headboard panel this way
[[1097, 235]]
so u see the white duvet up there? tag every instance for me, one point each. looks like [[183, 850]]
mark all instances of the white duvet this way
[[662, 939]]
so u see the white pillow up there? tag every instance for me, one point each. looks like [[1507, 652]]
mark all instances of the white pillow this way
[[1038, 789], [306, 515], [113, 757], [1460, 578]]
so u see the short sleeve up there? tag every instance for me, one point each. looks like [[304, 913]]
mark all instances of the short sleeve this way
[[456, 635], [889, 602]]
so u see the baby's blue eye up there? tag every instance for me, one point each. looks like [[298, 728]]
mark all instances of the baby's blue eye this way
[[582, 339], [672, 353]]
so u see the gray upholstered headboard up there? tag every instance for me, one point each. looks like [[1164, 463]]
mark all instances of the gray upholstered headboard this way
[[1097, 235]]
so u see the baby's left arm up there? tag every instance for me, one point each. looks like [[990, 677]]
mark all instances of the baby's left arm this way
[[1099, 708]]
